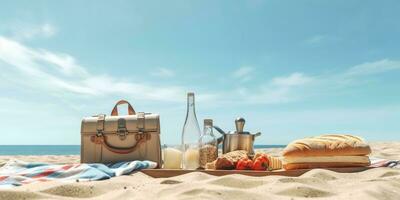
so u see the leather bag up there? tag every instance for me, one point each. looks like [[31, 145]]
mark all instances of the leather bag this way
[[110, 139]]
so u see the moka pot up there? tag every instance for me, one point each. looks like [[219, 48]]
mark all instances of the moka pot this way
[[237, 140]]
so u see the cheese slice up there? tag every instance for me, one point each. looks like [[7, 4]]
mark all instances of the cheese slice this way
[[327, 159]]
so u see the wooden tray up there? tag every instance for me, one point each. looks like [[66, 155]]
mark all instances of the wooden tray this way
[[166, 173]]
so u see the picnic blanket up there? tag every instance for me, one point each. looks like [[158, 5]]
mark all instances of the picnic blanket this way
[[16, 172], [380, 162]]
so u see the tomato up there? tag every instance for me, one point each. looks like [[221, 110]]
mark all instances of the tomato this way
[[244, 164], [260, 162]]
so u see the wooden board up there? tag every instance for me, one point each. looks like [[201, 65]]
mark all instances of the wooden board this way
[[166, 173]]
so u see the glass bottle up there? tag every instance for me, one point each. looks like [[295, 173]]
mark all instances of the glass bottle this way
[[208, 144], [190, 136]]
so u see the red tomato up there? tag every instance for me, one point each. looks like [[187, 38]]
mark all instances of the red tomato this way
[[261, 162], [244, 164]]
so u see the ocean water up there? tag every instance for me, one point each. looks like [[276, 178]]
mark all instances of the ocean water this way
[[40, 149], [65, 149], [269, 146]]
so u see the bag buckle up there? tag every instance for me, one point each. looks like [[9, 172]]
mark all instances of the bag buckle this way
[[122, 133], [99, 133], [121, 130], [142, 135], [100, 125], [140, 130]]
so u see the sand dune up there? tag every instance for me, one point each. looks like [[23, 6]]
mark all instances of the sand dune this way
[[381, 183]]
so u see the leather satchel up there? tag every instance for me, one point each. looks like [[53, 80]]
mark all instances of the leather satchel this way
[[110, 139]]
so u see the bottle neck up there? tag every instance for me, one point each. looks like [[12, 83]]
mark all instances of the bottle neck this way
[[208, 130], [191, 112]]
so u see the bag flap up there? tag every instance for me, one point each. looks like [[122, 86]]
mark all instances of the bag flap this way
[[151, 124]]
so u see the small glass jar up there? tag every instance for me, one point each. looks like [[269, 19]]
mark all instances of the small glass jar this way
[[172, 157], [208, 144]]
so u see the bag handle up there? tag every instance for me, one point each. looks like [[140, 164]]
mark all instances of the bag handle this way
[[114, 111]]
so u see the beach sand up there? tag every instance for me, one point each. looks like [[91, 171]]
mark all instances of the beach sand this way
[[380, 183]]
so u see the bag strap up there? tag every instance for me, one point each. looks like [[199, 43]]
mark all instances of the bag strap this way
[[114, 111], [141, 122], [100, 124]]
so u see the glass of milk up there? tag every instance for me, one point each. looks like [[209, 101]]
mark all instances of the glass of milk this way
[[172, 157]]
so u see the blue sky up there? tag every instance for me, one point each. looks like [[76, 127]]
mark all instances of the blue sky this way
[[291, 68]]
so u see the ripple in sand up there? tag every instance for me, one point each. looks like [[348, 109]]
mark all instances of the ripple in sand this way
[[208, 193], [71, 190], [303, 191], [234, 182], [197, 191], [390, 173], [17, 195], [302, 180], [321, 174], [169, 182], [380, 173], [383, 191]]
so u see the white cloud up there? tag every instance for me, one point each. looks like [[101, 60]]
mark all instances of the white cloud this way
[[22, 31], [47, 30], [34, 62], [376, 67], [299, 86], [316, 39], [60, 73], [294, 79], [163, 72], [277, 90], [243, 74], [242, 71], [270, 95]]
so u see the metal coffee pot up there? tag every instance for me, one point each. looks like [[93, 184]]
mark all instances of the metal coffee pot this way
[[237, 140]]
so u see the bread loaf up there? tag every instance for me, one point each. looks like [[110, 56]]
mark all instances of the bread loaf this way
[[328, 145]]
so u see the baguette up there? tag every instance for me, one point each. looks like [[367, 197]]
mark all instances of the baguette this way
[[328, 145]]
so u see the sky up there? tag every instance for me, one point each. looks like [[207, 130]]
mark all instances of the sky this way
[[292, 69]]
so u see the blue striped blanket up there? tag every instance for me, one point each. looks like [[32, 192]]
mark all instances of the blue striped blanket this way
[[16, 172]]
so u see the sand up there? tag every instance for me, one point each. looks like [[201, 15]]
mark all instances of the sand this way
[[380, 183]]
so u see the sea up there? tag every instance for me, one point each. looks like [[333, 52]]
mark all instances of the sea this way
[[65, 149]]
